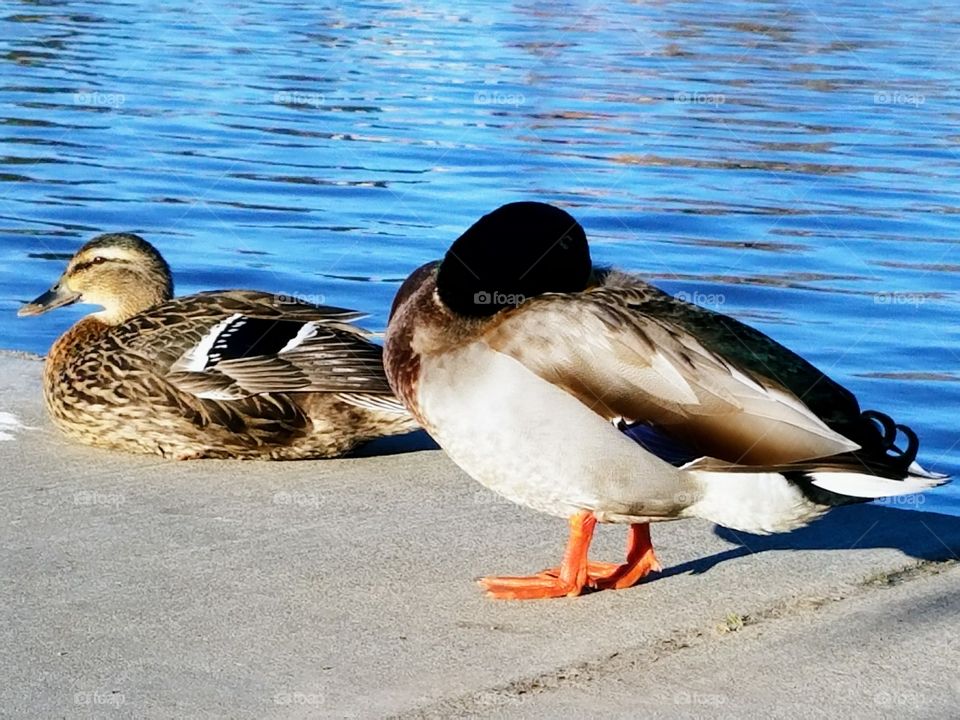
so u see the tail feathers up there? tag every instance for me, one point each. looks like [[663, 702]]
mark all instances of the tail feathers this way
[[850, 478], [864, 486], [781, 498], [917, 470], [889, 431]]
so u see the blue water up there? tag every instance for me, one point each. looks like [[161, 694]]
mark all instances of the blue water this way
[[796, 165]]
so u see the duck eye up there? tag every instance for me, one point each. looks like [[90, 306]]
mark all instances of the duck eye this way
[[98, 260]]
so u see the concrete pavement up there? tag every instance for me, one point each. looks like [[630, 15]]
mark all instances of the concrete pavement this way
[[135, 587]]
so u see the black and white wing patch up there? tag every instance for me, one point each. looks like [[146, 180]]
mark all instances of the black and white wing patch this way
[[242, 356], [241, 336]]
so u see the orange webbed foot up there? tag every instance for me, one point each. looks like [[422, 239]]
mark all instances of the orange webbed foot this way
[[570, 578], [576, 573], [595, 571], [532, 587], [641, 561]]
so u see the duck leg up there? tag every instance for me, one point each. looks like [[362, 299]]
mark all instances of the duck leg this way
[[641, 560], [569, 580]]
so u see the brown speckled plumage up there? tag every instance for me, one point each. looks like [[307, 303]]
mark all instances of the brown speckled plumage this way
[[118, 379]]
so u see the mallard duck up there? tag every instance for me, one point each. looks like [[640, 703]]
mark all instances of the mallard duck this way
[[591, 395], [226, 374]]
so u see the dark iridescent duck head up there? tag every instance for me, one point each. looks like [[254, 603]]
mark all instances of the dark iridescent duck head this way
[[121, 272], [518, 251]]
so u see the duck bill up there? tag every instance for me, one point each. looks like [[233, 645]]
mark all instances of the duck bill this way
[[55, 297]]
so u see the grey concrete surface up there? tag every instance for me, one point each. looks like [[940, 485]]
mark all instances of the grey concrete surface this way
[[140, 588]]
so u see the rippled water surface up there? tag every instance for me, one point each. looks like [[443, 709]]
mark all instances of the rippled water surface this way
[[794, 164]]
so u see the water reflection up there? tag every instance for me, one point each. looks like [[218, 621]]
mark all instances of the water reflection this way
[[796, 164]]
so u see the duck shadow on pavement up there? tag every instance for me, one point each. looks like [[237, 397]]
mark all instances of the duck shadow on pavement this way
[[919, 535], [413, 441]]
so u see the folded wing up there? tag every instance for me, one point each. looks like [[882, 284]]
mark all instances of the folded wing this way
[[620, 355], [237, 344]]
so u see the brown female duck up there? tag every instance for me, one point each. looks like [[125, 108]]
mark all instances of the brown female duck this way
[[227, 374]]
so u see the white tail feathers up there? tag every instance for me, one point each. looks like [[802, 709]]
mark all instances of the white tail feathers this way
[[767, 501], [862, 485], [915, 469]]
